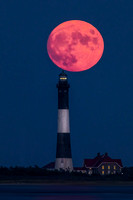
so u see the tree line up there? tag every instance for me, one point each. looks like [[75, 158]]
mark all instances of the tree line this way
[[35, 171]]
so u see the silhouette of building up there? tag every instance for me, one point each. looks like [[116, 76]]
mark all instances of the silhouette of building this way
[[50, 166]]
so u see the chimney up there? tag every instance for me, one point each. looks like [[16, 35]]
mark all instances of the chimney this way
[[98, 154]]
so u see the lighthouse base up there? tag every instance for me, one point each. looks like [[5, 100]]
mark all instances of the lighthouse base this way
[[64, 164]]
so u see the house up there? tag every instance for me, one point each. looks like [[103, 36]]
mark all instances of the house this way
[[101, 164], [50, 166]]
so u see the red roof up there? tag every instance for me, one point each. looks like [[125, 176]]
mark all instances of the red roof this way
[[50, 165], [118, 161], [100, 159]]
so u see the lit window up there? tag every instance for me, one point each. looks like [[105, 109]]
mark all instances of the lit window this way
[[108, 172], [108, 166], [63, 78], [102, 172], [102, 166], [114, 166]]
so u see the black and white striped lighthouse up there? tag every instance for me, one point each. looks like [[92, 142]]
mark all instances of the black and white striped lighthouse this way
[[63, 149]]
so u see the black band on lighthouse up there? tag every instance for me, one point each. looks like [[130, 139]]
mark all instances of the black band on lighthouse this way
[[63, 89], [63, 146], [63, 98]]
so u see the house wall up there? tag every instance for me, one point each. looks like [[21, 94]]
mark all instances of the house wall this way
[[109, 168]]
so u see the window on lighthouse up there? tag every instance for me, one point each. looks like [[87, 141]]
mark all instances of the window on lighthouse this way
[[63, 78]]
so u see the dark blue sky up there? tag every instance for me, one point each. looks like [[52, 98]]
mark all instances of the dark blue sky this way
[[101, 98]]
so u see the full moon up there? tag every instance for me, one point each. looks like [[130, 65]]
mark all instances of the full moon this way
[[75, 45]]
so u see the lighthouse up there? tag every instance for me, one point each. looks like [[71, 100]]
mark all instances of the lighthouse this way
[[63, 149]]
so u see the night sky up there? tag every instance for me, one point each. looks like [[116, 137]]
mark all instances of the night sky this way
[[101, 98]]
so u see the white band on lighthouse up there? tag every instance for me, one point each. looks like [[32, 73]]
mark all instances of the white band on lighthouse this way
[[64, 163], [63, 121]]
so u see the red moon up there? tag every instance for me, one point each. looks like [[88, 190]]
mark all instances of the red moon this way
[[75, 45]]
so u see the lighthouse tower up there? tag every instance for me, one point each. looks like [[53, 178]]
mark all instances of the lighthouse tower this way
[[63, 150]]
